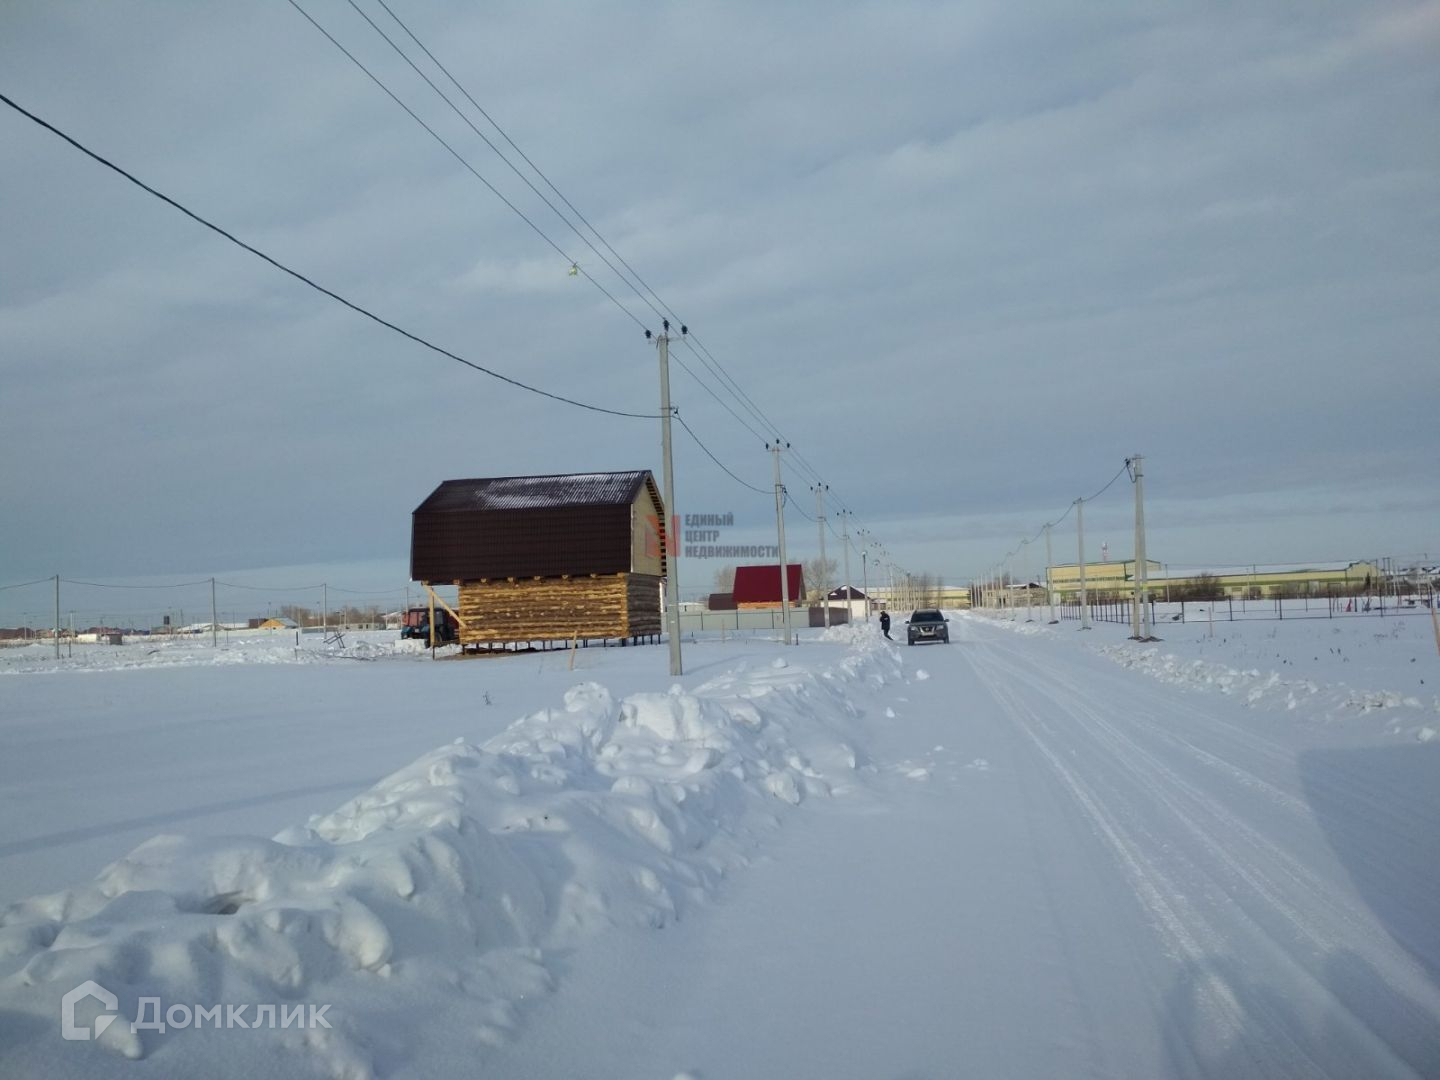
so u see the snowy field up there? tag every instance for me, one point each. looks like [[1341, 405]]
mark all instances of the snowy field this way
[[1035, 852]]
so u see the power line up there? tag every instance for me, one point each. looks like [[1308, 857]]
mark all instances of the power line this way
[[1092, 498], [362, 311], [723, 404], [314, 285], [267, 588], [1123, 469], [28, 584], [102, 585], [466, 164], [799, 509], [484, 138], [711, 364], [706, 357], [717, 461], [698, 347], [538, 171]]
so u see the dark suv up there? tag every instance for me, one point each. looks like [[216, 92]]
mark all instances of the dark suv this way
[[927, 624]]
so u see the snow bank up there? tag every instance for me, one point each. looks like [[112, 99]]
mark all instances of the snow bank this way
[[1267, 688], [1291, 665], [445, 894], [251, 647]]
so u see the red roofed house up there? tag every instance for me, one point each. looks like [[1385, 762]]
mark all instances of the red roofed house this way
[[759, 586]]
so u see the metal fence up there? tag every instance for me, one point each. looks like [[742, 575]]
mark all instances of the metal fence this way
[[1231, 609]]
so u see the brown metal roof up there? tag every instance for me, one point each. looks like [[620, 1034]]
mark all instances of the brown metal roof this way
[[528, 526]]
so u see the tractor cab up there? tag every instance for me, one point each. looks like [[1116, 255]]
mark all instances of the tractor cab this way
[[416, 624]]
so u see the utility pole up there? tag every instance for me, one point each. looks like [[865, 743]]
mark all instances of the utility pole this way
[[1141, 619], [325, 614], [820, 490], [1025, 570], [775, 449], [57, 616], [1010, 586], [865, 571], [214, 626], [845, 546], [672, 545], [1080, 533], [1049, 592]]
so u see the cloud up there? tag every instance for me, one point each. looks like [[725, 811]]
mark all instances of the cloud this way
[[1029, 240]]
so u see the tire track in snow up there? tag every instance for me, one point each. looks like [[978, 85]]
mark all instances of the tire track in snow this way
[[1165, 907], [1146, 767], [1255, 747], [1394, 806], [1309, 899], [1288, 915]]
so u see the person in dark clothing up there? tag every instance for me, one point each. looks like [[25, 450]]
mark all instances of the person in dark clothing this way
[[885, 625]]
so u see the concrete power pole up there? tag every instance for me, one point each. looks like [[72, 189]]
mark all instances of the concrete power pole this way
[[1141, 621], [1025, 569], [845, 546], [775, 449], [1010, 585], [672, 544], [1080, 533], [1049, 589], [820, 490], [865, 573]]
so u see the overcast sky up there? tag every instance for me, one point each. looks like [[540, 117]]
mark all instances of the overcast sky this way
[[966, 258]]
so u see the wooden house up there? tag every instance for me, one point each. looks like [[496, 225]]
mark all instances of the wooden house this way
[[546, 558], [759, 586]]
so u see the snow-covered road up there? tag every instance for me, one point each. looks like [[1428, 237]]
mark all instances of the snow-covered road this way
[[1245, 858], [1010, 856], [1061, 870]]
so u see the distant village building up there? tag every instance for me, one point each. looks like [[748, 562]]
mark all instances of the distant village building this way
[[1275, 580], [759, 586], [1103, 580], [546, 558], [850, 600], [1111, 579]]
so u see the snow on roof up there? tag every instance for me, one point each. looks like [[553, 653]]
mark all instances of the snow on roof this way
[[537, 492]]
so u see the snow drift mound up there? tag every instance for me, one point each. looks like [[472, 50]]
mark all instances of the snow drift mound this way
[[1269, 689], [443, 894]]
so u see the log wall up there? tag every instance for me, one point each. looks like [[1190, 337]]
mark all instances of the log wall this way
[[559, 608]]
